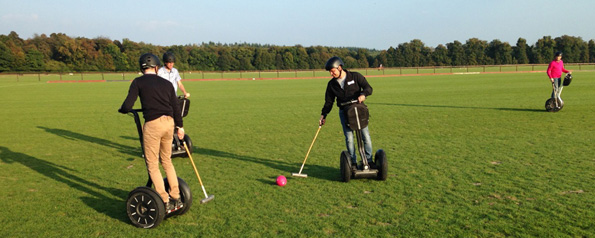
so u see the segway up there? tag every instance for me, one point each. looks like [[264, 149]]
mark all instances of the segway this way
[[144, 205], [555, 103], [356, 115], [176, 147]]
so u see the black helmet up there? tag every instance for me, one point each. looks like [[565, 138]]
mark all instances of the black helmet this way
[[559, 53], [333, 62], [148, 60], [168, 57]]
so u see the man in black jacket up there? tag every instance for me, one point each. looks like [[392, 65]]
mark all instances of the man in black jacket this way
[[161, 112], [346, 86]]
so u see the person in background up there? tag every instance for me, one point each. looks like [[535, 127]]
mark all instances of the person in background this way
[[554, 71], [171, 74]]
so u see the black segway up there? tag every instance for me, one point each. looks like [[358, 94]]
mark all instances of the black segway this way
[[555, 103], [144, 206], [357, 116], [177, 149]]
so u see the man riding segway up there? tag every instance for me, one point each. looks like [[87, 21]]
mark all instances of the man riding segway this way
[[350, 90]]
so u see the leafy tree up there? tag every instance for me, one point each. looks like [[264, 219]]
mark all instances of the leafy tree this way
[[301, 58], [362, 58], [391, 61], [499, 52], [456, 53], [440, 56], [34, 59], [519, 53], [543, 51], [263, 59], [119, 59], [591, 47], [475, 51], [226, 61], [6, 58]]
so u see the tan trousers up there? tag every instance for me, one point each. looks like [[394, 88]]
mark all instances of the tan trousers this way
[[157, 139]]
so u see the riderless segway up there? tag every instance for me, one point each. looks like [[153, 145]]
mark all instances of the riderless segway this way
[[144, 205], [555, 103], [357, 115]]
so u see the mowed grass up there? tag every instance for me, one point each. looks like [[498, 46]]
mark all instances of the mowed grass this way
[[469, 155]]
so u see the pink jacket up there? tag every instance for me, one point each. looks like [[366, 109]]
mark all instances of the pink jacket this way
[[555, 69]]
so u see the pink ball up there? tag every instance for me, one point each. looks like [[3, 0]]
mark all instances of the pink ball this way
[[281, 180]]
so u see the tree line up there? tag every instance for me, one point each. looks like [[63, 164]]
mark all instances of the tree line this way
[[61, 53]]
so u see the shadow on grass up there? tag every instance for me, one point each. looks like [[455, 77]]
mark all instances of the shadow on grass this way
[[107, 205], [463, 107], [315, 171], [70, 135]]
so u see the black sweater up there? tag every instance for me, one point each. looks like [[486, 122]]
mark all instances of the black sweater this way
[[157, 98], [355, 85]]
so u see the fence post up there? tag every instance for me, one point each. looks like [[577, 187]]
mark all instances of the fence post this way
[[82, 76], [17, 77], [38, 77]]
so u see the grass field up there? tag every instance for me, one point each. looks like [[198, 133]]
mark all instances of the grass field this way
[[469, 155]]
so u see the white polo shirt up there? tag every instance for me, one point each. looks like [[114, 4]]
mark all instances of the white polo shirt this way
[[172, 76]]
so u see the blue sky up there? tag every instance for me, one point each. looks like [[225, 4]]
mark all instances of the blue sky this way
[[376, 24]]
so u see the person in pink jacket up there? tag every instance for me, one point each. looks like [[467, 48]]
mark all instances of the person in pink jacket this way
[[554, 71]]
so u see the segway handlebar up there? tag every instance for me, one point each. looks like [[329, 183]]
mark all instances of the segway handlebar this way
[[349, 102]]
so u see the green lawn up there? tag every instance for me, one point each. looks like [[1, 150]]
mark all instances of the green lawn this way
[[469, 155]]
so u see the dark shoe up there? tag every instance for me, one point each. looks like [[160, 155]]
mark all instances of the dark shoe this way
[[170, 206], [353, 167], [173, 205], [178, 203]]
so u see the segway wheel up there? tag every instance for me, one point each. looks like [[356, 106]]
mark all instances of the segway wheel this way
[[145, 207], [185, 195], [382, 164], [345, 166], [188, 142], [550, 105]]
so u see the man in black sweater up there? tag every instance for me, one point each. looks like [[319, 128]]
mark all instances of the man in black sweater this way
[[161, 112], [346, 86]]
